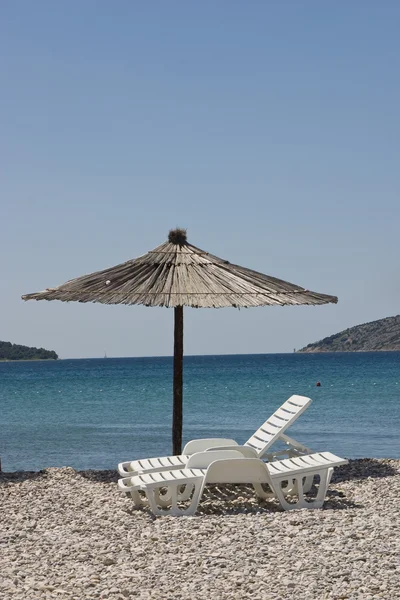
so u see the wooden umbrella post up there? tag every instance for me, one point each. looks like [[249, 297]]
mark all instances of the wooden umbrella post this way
[[178, 381]]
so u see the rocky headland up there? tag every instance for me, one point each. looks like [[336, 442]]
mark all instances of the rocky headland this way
[[381, 335]]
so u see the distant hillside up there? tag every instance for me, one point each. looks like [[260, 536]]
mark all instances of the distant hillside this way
[[9, 351], [382, 335]]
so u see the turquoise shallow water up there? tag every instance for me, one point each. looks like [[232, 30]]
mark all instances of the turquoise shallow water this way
[[93, 413]]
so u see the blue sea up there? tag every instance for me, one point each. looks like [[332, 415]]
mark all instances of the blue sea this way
[[94, 413]]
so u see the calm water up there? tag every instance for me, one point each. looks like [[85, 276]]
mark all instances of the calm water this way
[[95, 413]]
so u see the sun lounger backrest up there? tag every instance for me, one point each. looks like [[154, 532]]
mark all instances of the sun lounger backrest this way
[[283, 418]]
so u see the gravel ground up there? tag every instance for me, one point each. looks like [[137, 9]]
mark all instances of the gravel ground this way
[[68, 534]]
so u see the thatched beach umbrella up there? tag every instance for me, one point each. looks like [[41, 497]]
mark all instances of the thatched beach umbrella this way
[[177, 274]]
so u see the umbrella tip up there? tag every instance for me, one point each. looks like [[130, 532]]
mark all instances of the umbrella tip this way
[[177, 236]]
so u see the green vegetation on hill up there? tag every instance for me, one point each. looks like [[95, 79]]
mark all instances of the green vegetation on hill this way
[[9, 351], [381, 335]]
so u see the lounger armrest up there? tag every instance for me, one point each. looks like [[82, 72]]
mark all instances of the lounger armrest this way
[[246, 451], [204, 444]]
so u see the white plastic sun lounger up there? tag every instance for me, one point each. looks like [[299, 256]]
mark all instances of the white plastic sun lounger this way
[[255, 447], [284, 477]]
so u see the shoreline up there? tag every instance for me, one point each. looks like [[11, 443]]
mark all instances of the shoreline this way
[[18, 360], [34, 472]]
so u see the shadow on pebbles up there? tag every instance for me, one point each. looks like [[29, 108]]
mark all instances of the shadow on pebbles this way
[[71, 535]]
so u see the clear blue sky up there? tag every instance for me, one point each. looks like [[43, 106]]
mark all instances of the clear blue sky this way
[[270, 130]]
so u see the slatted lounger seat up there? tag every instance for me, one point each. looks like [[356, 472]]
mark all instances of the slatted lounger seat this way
[[284, 477], [256, 447]]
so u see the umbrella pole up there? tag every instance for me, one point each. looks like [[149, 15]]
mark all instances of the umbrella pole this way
[[178, 381]]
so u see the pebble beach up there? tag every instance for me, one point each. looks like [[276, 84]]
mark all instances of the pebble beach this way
[[71, 534]]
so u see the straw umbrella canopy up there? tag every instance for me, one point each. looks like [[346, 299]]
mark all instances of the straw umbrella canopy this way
[[177, 274]]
